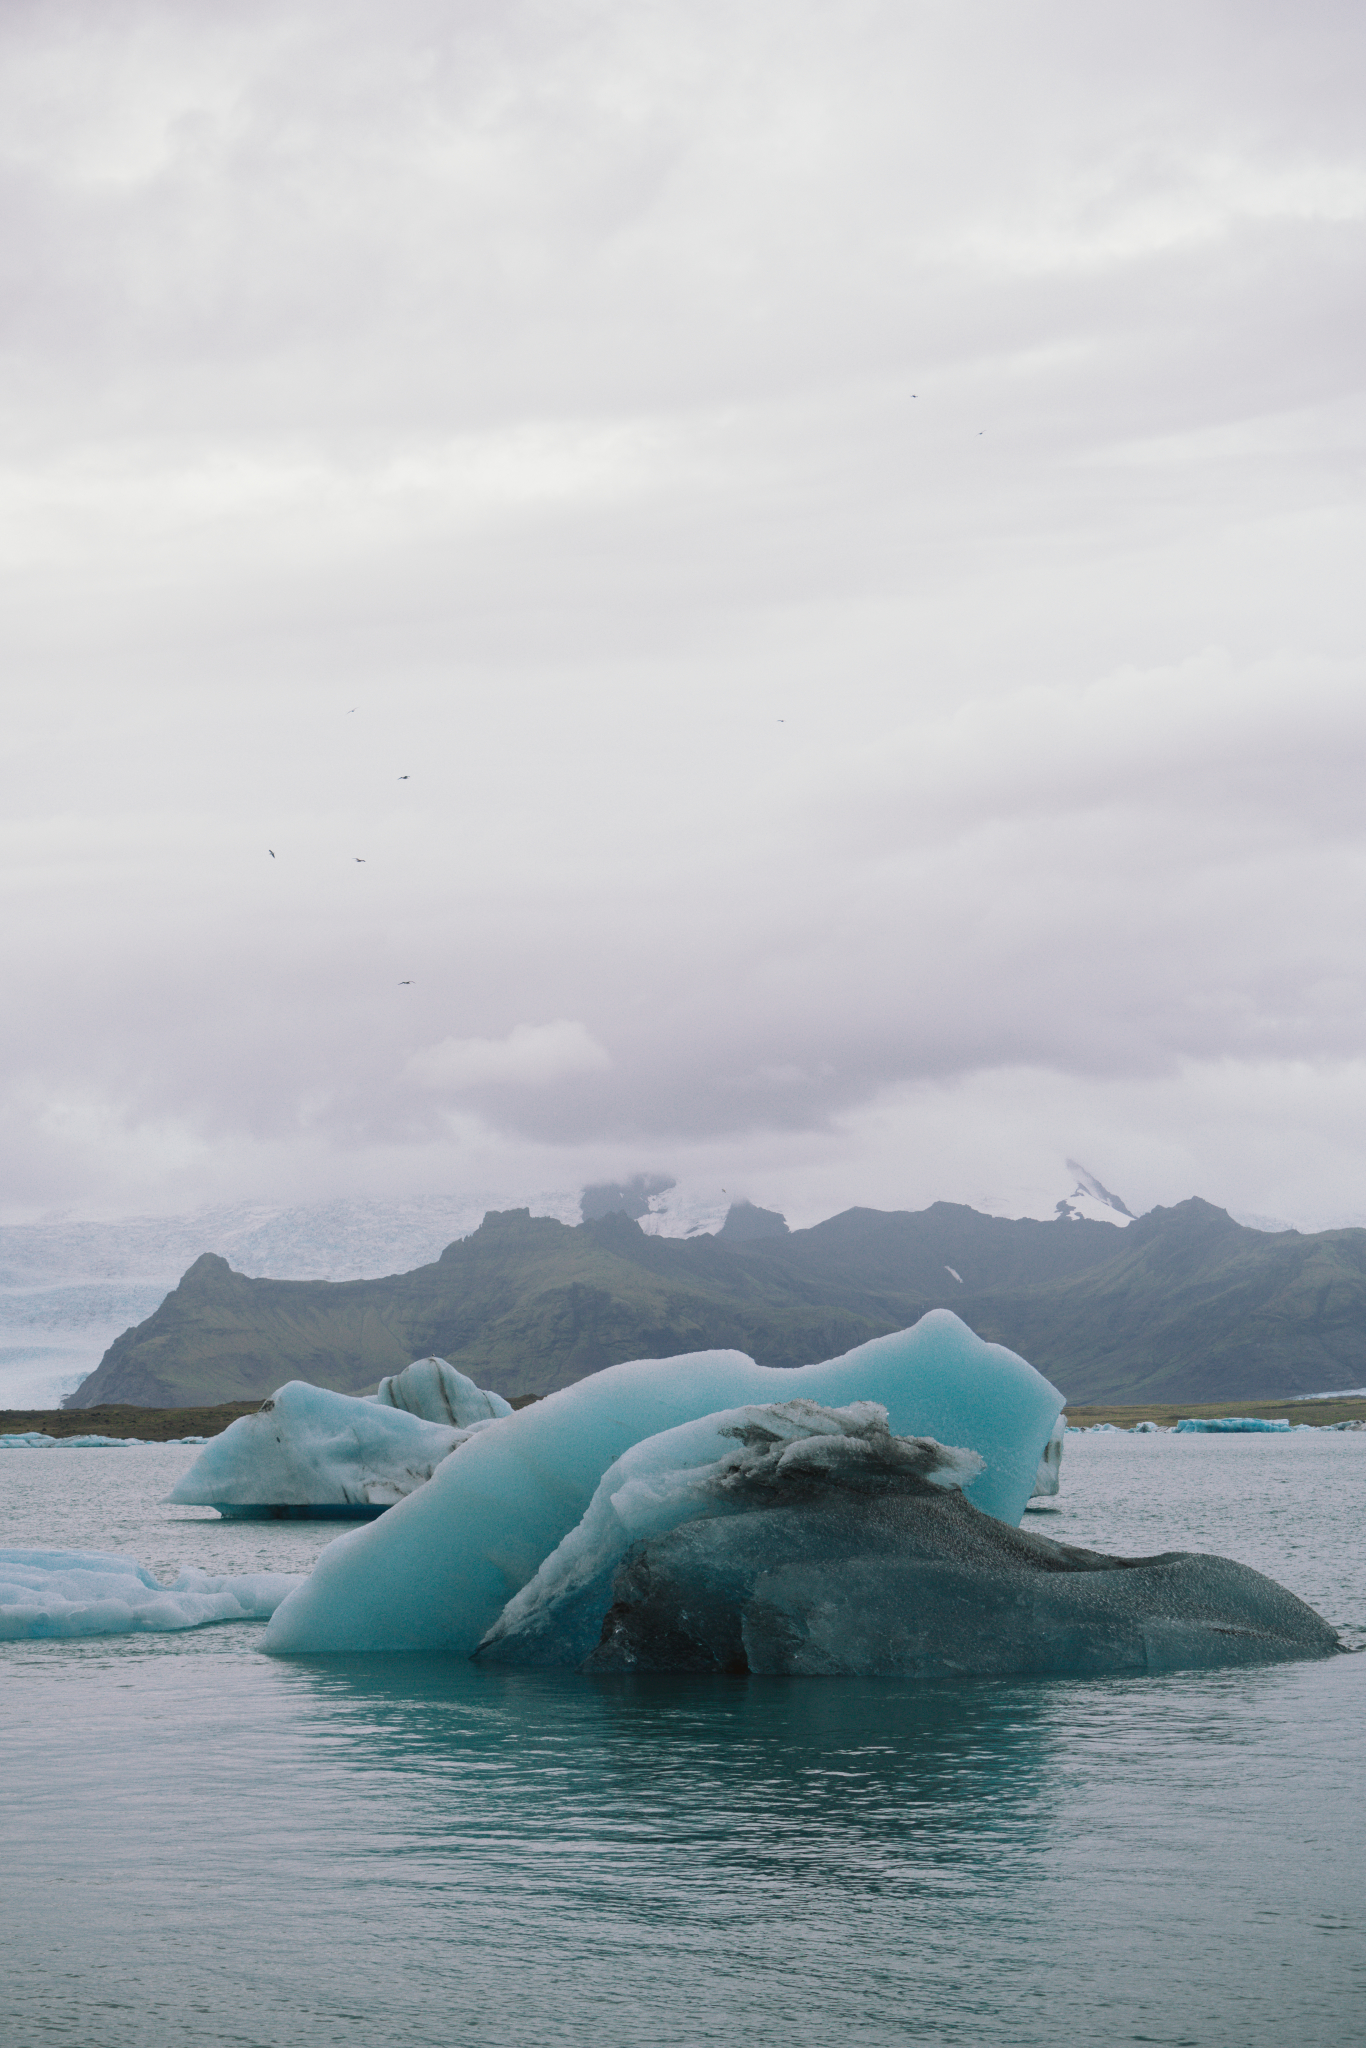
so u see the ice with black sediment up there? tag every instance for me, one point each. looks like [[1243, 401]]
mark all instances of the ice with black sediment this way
[[708, 1467], [902, 1579]]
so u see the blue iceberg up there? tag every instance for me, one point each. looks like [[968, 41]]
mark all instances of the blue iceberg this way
[[438, 1570]]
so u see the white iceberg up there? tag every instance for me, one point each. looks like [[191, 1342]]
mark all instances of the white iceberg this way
[[93, 1593], [438, 1570], [706, 1468], [309, 1452], [432, 1389]]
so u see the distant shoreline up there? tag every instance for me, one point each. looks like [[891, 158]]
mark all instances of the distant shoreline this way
[[1166, 1413], [159, 1425]]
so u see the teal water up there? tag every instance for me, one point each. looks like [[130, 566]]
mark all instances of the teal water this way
[[204, 1845]]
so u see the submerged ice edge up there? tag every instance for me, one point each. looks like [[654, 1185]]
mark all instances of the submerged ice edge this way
[[46, 1594]]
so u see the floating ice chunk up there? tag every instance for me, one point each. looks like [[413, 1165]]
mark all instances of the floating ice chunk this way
[[91, 1593], [439, 1569], [310, 1451], [1229, 1425], [434, 1390], [39, 1440], [1147, 1429], [1049, 1475], [813, 1575], [706, 1467]]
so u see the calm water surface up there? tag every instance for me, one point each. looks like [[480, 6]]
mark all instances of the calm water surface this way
[[205, 1845]]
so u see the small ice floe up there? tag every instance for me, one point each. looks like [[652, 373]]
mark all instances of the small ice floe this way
[[1230, 1425], [39, 1440], [47, 1593]]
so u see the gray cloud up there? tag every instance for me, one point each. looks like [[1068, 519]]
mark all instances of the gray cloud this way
[[848, 526]]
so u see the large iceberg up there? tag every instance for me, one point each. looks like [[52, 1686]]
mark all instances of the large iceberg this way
[[310, 1452], [438, 1570], [819, 1544], [94, 1593]]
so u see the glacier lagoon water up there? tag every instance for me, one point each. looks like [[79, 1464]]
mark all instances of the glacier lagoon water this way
[[206, 1845]]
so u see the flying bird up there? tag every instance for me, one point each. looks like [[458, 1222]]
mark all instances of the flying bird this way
[[405, 984], [271, 851], [359, 859], [405, 778]]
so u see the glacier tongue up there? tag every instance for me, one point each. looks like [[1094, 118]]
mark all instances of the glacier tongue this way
[[441, 1566]]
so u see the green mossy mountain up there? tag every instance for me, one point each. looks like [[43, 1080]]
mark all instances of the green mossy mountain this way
[[1184, 1304]]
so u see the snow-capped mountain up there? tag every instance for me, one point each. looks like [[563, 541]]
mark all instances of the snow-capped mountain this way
[[68, 1287]]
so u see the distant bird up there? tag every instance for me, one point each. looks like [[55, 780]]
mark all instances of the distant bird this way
[[271, 851], [359, 859], [405, 778], [405, 984]]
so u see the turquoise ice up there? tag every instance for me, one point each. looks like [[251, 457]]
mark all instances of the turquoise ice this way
[[439, 1568]]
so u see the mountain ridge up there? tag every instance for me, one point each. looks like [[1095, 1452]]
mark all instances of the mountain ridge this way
[[1182, 1303]]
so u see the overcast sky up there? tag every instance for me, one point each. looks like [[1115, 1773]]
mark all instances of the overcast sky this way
[[848, 519]]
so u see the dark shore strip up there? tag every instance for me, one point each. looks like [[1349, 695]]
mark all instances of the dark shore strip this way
[[153, 1425], [1165, 1413]]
